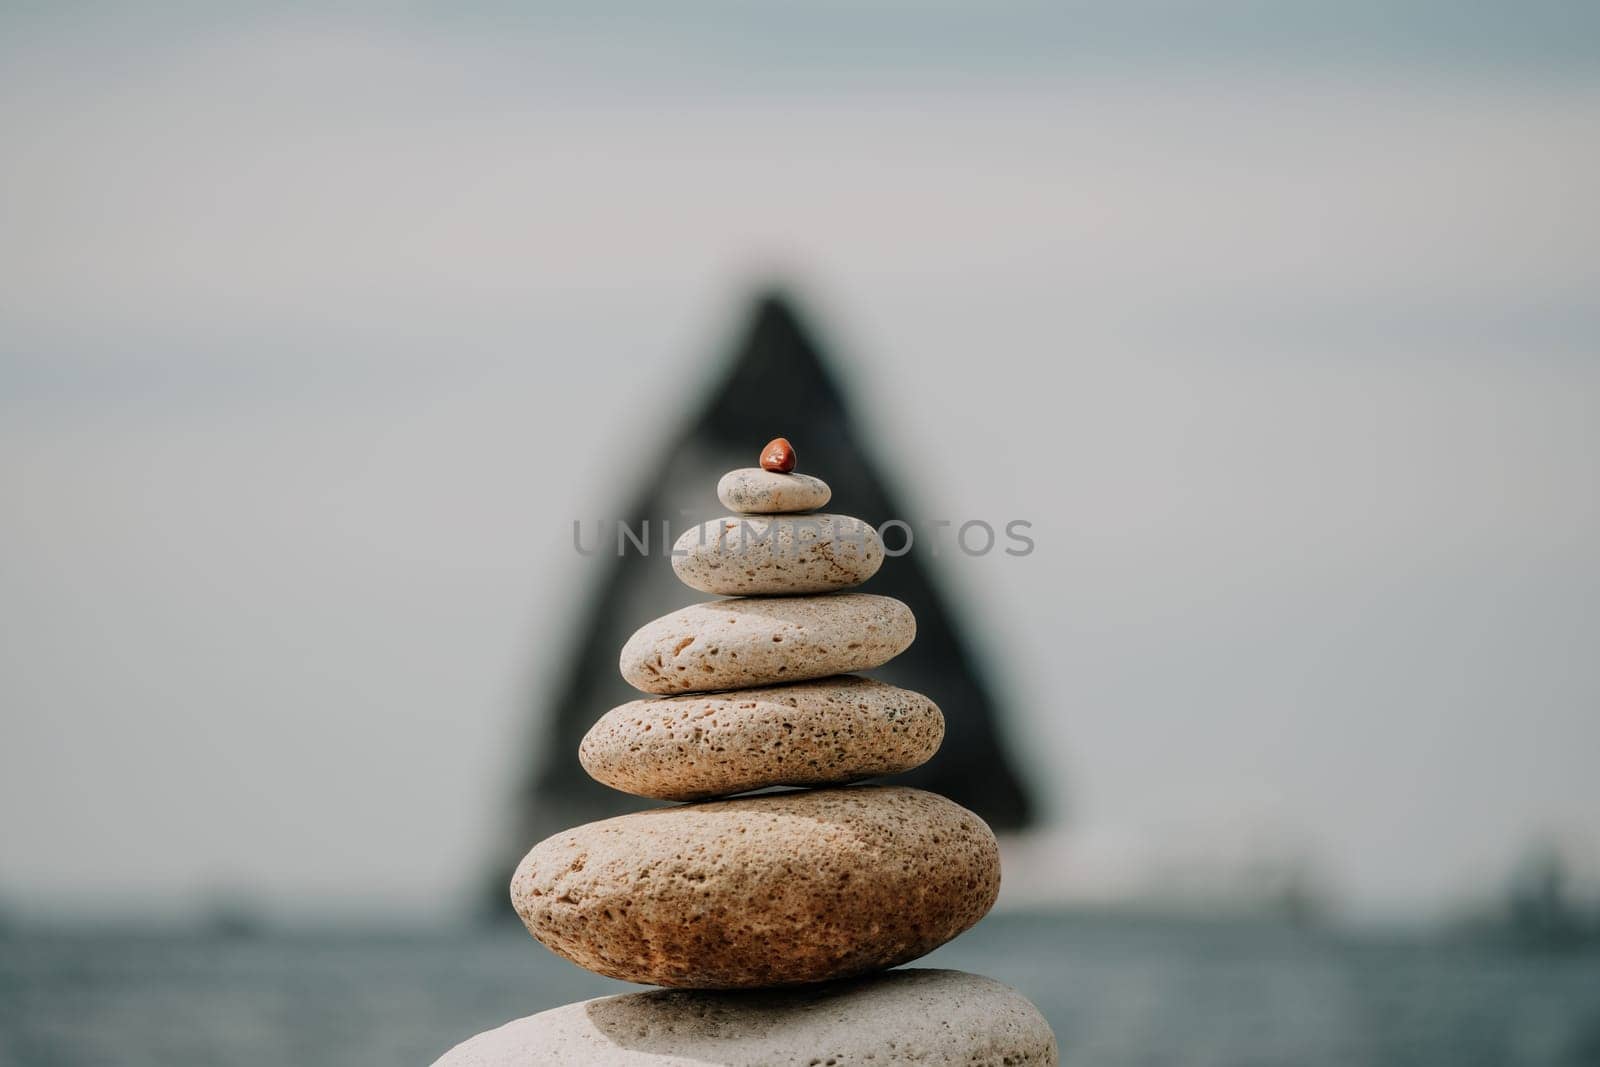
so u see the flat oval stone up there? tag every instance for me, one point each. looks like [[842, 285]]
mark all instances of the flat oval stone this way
[[929, 1017], [756, 555], [811, 733], [735, 644], [774, 889], [754, 491]]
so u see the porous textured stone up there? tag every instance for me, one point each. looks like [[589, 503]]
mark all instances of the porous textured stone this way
[[932, 1018], [739, 643], [768, 890], [811, 733], [753, 491], [760, 555]]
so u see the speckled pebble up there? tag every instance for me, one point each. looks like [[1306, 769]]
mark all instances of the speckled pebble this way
[[753, 491], [750, 641], [773, 889], [758, 555], [927, 1017], [812, 733]]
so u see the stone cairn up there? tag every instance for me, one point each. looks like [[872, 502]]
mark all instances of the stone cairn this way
[[773, 917]]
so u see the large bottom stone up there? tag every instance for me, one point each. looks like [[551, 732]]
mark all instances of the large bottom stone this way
[[773, 889], [924, 1017]]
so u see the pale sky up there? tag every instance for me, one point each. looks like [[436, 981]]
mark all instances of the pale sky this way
[[317, 332]]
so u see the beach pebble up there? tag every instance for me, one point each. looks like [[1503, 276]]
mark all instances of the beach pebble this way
[[734, 644], [772, 889], [753, 491], [930, 1017], [778, 456], [812, 733], [756, 555]]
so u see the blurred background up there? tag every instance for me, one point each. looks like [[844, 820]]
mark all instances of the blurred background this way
[[319, 329]]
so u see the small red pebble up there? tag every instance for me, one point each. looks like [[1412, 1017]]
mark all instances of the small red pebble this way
[[778, 456]]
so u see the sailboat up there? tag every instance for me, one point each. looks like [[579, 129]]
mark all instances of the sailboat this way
[[775, 382]]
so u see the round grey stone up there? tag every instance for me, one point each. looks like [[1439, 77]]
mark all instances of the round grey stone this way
[[764, 890], [753, 491], [757, 555], [933, 1018], [751, 641], [812, 733]]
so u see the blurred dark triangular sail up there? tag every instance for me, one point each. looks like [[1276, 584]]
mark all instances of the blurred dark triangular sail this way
[[777, 383]]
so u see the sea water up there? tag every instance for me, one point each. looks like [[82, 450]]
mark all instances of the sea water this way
[[1118, 992]]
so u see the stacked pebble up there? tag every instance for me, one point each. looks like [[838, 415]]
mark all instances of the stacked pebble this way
[[834, 881]]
